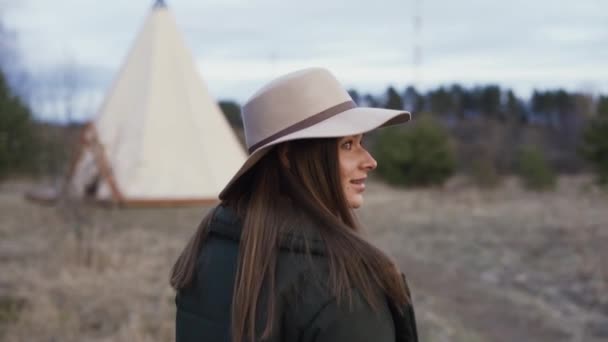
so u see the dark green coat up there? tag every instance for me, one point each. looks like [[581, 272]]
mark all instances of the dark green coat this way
[[306, 312]]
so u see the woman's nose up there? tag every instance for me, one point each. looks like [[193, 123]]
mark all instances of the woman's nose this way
[[369, 162]]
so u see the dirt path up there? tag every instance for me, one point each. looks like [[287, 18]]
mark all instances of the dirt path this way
[[496, 267], [465, 307]]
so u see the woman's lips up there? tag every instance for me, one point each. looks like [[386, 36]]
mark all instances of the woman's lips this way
[[358, 184]]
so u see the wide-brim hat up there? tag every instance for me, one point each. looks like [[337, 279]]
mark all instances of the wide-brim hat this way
[[305, 104]]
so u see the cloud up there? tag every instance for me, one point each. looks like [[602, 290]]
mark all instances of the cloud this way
[[239, 44]]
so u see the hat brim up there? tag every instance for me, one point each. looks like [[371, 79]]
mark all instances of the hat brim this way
[[350, 122]]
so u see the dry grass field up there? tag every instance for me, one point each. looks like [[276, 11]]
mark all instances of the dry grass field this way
[[483, 265]]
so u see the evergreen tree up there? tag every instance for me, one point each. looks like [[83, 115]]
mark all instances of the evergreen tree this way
[[370, 100], [514, 107], [602, 107], [354, 94], [232, 112], [469, 102], [17, 139], [441, 102], [595, 141], [393, 100], [413, 100], [490, 101], [456, 94]]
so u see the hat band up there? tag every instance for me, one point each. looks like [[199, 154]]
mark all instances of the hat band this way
[[310, 121]]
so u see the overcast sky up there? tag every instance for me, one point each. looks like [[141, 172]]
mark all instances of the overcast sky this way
[[238, 44]]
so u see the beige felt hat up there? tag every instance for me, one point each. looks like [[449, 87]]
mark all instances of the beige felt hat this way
[[309, 103]]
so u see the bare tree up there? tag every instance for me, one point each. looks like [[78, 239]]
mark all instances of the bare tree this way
[[10, 63], [63, 92]]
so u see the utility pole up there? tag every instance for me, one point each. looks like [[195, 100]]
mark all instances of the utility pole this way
[[417, 45]]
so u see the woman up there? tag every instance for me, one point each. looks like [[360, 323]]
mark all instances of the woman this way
[[282, 257]]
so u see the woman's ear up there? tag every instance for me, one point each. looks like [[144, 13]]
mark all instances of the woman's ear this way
[[283, 153]]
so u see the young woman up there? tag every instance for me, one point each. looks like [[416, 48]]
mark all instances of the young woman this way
[[282, 258]]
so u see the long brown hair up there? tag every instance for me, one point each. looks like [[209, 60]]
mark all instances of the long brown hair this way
[[311, 182]]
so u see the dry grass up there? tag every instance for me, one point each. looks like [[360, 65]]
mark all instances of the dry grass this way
[[109, 284], [540, 254], [104, 277]]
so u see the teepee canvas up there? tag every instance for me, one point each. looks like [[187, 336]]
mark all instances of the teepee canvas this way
[[159, 137]]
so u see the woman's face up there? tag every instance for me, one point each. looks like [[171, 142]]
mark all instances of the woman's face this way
[[355, 163]]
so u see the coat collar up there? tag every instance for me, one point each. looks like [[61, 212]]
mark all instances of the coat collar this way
[[303, 237]]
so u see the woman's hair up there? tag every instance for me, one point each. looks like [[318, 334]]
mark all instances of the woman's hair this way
[[261, 198]]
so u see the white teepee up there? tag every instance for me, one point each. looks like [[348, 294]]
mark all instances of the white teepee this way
[[159, 137]]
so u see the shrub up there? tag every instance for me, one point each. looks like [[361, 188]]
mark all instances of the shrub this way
[[595, 142], [534, 170], [419, 154]]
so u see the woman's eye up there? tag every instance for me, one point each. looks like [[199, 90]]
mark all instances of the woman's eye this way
[[347, 145]]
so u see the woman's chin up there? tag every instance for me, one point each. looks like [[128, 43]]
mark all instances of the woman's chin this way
[[355, 201]]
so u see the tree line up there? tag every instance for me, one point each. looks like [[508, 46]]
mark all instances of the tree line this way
[[486, 132], [549, 107]]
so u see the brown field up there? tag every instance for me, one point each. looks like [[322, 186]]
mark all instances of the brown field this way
[[483, 265]]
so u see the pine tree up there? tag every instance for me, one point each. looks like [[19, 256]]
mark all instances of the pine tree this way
[[17, 139], [393, 100]]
